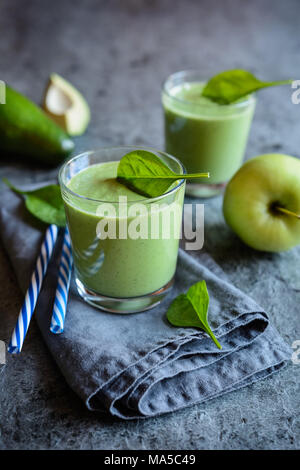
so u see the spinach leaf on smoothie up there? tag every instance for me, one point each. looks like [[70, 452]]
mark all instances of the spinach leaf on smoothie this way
[[146, 174], [191, 309], [44, 203], [231, 85]]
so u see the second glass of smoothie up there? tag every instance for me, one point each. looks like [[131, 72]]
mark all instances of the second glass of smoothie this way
[[204, 134], [124, 258]]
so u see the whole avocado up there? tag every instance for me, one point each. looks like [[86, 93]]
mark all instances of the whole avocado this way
[[26, 130]]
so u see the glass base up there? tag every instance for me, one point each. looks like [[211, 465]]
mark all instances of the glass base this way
[[124, 305], [204, 190]]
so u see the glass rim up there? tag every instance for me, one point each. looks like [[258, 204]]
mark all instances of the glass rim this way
[[182, 73], [146, 200]]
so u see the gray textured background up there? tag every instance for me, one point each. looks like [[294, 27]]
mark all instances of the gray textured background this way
[[118, 53]]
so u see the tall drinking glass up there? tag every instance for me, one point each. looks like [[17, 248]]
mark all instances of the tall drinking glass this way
[[124, 245], [206, 136]]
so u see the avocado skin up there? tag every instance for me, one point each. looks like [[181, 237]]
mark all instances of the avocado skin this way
[[26, 130]]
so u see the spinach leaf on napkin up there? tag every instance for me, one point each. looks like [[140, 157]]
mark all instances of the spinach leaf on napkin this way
[[44, 203], [191, 309]]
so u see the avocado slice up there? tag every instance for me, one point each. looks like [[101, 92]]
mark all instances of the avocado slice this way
[[26, 130], [66, 105]]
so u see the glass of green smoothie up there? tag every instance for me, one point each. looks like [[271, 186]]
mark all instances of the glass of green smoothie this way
[[204, 134], [124, 257]]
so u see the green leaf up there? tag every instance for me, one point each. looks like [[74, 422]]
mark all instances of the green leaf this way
[[191, 309], [146, 174], [44, 203], [231, 85]]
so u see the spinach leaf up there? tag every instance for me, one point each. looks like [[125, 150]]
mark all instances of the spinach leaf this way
[[44, 203], [146, 174], [191, 309], [231, 85]]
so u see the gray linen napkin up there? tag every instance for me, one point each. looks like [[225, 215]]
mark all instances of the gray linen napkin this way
[[139, 365]]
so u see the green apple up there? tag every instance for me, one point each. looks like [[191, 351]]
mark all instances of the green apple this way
[[262, 202], [66, 105]]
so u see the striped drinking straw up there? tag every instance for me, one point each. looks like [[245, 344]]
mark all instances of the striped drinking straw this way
[[63, 285], [21, 328]]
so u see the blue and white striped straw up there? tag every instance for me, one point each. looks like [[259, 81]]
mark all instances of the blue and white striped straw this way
[[63, 285], [26, 312]]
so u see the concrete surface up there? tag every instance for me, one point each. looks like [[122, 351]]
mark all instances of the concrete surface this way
[[118, 53]]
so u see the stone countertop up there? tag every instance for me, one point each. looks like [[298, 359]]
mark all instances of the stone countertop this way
[[118, 53]]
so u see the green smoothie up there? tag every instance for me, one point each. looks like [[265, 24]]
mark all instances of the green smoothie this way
[[119, 267], [206, 136]]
